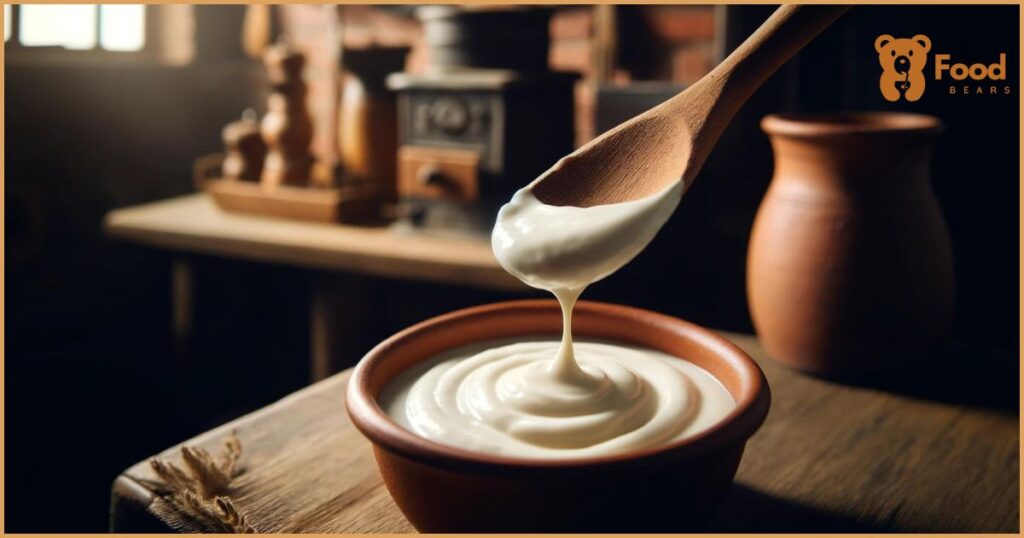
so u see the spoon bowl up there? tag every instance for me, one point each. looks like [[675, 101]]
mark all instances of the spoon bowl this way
[[634, 160]]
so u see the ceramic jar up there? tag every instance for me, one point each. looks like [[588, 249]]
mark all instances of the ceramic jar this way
[[849, 268]]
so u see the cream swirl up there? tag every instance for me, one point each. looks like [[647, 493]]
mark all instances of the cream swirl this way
[[504, 399], [557, 399]]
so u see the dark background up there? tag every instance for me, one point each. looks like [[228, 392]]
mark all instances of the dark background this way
[[95, 383]]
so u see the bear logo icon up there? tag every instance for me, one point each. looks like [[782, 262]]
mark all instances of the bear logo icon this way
[[902, 63]]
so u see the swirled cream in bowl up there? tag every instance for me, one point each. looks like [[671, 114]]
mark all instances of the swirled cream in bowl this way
[[520, 399], [536, 415], [558, 399]]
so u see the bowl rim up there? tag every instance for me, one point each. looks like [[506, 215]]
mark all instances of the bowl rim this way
[[370, 419]]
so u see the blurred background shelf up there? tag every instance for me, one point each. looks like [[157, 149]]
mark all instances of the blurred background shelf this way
[[193, 223]]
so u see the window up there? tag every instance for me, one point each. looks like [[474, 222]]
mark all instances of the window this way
[[109, 27]]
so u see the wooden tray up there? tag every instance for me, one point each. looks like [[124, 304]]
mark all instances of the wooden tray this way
[[350, 203]]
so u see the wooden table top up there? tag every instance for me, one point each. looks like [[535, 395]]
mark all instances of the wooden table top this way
[[829, 457], [193, 223]]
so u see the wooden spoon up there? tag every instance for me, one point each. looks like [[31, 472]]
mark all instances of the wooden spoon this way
[[671, 141]]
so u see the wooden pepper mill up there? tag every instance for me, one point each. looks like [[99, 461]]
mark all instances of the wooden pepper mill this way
[[245, 150], [368, 122], [287, 129]]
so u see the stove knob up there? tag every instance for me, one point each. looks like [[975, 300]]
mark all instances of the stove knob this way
[[430, 175], [450, 115], [417, 214]]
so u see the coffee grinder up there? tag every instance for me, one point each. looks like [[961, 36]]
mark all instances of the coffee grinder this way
[[484, 120]]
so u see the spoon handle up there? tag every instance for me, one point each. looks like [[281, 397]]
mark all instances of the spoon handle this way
[[710, 104], [787, 31]]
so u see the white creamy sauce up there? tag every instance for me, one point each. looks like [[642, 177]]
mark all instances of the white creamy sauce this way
[[566, 248], [496, 397], [551, 399]]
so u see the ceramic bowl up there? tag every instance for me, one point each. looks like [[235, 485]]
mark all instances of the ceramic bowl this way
[[673, 487]]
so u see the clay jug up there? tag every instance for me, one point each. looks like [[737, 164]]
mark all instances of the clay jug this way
[[849, 269]]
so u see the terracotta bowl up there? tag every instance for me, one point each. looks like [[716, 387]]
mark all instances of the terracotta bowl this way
[[670, 488]]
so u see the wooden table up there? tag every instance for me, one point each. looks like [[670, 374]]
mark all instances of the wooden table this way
[[830, 457], [194, 224]]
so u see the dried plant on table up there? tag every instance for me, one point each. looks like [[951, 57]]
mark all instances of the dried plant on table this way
[[195, 498]]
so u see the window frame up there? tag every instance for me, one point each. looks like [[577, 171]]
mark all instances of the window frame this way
[[150, 52]]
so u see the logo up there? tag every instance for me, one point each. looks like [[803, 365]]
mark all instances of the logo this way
[[969, 77], [903, 62]]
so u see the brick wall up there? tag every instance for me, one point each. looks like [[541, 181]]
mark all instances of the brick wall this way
[[310, 29], [685, 37], [669, 43]]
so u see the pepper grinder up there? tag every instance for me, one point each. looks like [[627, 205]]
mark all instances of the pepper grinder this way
[[368, 122], [287, 128], [245, 150]]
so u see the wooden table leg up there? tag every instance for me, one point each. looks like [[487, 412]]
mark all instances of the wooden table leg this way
[[337, 318], [182, 304]]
